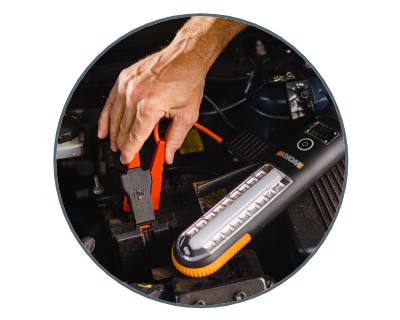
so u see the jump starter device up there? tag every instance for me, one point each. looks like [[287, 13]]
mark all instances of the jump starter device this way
[[227, 227]]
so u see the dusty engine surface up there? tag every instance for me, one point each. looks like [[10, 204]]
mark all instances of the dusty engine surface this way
[[141, 257]]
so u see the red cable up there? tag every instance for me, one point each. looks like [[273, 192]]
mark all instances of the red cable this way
[[156, 135], [198, 126], [205, 130]]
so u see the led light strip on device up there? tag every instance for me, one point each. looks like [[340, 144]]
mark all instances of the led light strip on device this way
[[227, 227], [232, 213]]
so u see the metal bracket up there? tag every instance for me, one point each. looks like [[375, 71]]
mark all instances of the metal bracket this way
[[288, 76]]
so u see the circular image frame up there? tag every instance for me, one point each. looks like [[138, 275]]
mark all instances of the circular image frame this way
[[292, 48]]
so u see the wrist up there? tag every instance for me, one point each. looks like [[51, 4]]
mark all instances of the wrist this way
[[196, 46], [177, 59], [202, 39]]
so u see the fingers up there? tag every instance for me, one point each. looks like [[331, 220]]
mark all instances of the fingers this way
[[141, 129], [104, 120], [176, 133], [126, 124], [117, 112], [128, 117]]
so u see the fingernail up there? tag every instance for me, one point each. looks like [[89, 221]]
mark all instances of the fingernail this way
[[113, 147], [122, 159], [99, 133]]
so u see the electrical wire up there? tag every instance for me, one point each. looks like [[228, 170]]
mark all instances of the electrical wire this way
[[226, 120], [210, 133], [266, 115], [156, 135], [246, 97], [198, 126]]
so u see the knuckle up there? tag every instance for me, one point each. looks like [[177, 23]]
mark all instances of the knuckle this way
[[132, 95], [122, 75], [134, 137], [132, 90], [148, 111], [143, 110], [115, 118], [123, 79], [124, 128]]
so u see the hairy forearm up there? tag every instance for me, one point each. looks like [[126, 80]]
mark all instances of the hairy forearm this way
[[201, 40], [208, 36]]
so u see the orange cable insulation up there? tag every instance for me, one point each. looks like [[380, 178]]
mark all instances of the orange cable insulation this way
[[198, 126], [156, 135], [210, 133]]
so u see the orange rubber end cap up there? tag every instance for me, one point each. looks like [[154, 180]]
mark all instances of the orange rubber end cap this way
[[217, 264]]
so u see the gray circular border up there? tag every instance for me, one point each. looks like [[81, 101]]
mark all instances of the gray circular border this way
[[187, 16]]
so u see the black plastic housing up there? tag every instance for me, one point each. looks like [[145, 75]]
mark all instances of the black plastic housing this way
[[316, 160], [248, 146]]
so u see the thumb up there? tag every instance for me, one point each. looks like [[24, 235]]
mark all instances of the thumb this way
[[174, 137]]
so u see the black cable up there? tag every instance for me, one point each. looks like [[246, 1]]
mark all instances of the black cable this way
[[266, 115], [249, 95], [217, 109]]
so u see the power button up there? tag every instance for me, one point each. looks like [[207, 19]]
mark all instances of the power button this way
[[305, 144]]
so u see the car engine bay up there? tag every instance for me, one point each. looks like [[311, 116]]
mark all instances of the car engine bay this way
[[259, 83]]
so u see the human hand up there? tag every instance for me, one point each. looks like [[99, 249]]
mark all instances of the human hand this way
[[166, 84]]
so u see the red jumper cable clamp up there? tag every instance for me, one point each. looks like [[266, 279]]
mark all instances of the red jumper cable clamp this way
[[142, 188], [156, 170]]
